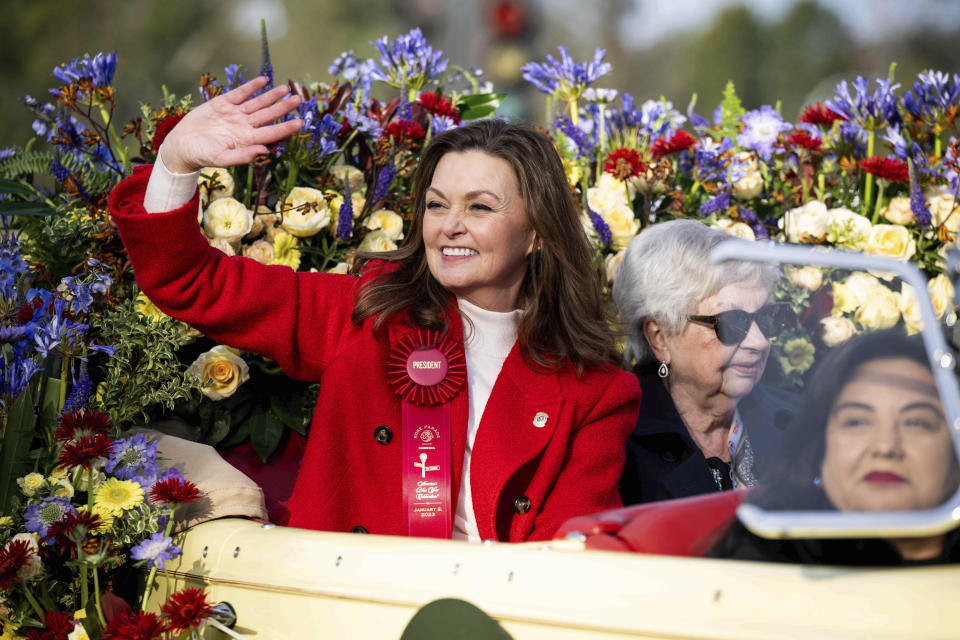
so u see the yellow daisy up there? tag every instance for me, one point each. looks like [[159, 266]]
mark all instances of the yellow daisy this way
[[106, 516], [117, 496], [285, 251]]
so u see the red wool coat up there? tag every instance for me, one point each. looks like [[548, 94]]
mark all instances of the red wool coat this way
[[525, 480]]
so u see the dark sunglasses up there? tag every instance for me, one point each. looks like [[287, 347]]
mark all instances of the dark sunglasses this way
[[733, 326]]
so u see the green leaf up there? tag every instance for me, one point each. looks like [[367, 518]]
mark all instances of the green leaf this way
[[241, 435], [479, 105], [289, 416], [221, 427], [265, 433], [13, 208], [15, 446], [731, 109], [12, 186]]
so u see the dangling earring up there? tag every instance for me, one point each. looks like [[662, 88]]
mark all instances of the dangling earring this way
[[816, 481], [662, 371]]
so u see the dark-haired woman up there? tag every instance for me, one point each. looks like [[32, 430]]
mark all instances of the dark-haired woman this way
[[873, 438], [469, 386]]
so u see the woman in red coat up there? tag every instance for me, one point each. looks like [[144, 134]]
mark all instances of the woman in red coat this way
[[500, 426]]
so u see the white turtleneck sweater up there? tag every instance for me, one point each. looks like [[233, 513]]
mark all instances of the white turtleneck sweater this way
[[488, 341]]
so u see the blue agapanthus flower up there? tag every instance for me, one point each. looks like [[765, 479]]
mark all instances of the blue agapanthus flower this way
[[359, 120], [933, 93], [566, 78], [323, 131], [439, 124], [40, 515], [355, 71], [156, 550], [12, 264], [950, 174], [99, 69], [408, 61], [236, 75], [712, 159], [8, 152], [870, 111], [100, 282], [897, 142], [134, 458], [761, 129], [59, 331]]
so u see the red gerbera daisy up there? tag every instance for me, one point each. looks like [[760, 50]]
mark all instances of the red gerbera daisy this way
[[82, 451], [679, 141], [624, 163], [56, 626], [886, 168], [174, 490], [439, 105], [402, 130], [82, 423], [26, 312], [73, 528], [820, 115], [802, 138], [12, 558], [135, 626], [187, 609], [164, 127]]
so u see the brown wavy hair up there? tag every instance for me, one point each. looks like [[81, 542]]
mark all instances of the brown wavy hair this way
[[565, 319]]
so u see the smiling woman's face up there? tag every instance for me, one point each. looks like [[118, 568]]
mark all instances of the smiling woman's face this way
[[887, 442], [476, 233]]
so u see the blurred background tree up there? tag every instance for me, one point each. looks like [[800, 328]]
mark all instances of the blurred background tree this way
[[794, 52]]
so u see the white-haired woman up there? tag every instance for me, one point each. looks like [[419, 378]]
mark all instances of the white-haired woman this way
[[699, 334]]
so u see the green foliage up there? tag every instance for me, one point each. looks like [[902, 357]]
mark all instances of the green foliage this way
[[479, 105], [26, 163], [145, 370], [731, 111], [63, 240]]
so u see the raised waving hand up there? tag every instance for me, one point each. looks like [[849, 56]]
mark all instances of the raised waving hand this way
[[230, 129]]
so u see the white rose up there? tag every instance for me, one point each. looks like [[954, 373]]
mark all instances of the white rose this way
[[612, 265], [377, 241], [850, 295], [305, 212], [261, 251], [943, 210], [223, 369], [735, 228], [224, 245], [807, 223], [34, 565], [807, 277], [609, 183], [262, 218], [215, 183], [78, 633], [390, 222], [881, 309], [909, 309], [941, 294], [749, 186], [342, 267], [228, 219], [849, 226], [892, 241], [354, 176], [898, 210], [836, 330], [602, 200]]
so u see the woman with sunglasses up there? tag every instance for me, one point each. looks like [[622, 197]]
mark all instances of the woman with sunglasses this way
[[698, 334]]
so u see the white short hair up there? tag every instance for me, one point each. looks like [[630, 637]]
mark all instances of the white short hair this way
[[666, 271]]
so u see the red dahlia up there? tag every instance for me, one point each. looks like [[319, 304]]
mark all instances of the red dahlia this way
[[439, 105], [886, 168], [73, 528], [83, 451], [401, 130], [164, 127], [12, 558], [26, 312], [82, 423], [802, 138], [187, 609], [56, 626], [679, 141], [174, 490], [820, 115], [135, 626], [624, 163]]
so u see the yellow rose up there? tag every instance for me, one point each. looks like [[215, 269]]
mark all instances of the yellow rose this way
[[603, 200], [623, 226], [390, 222], [881, 309], [797, 356], [221, 371], [943, 210], [215, 183], [898, 210], [807, 223], [342, 268], [892, 241], [227, 219], [377, 241], [835, 330], [63, 489], [735, 228], [31, 483], [607, 182], [285, 250], [573, 171], [305, 212], [809, 278], [749, 186], [850, 295], [909, 309], [261, 251], [847, 228], [612, 265], [941, 294]]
